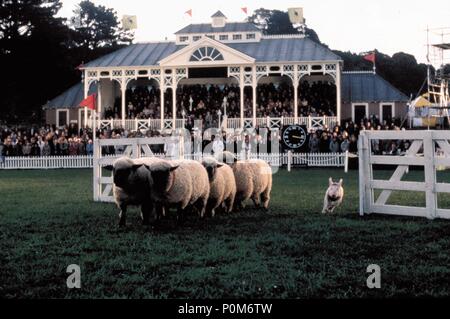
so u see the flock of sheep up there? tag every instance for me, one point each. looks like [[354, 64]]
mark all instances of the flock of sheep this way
[[219, 183]]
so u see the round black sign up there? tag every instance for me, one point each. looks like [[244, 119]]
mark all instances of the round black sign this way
[[294, 136]]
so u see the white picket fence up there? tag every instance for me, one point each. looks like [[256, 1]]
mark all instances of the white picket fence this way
[[86, 161]]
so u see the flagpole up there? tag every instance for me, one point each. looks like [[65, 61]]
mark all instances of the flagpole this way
[[374, 63]]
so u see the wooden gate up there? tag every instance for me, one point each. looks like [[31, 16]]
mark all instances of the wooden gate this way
[[131, 147], [428, 149]]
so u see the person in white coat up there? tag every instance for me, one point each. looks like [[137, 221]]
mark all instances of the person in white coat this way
[[217, 146]]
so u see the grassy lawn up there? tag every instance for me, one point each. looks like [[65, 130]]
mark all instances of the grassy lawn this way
[[48, 221]]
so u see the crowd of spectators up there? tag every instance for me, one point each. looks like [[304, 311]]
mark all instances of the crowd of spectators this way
[[203, 102], [50, 141], [45, 141]]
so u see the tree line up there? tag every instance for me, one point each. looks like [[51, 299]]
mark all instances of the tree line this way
[[40, 51], [401, 69]]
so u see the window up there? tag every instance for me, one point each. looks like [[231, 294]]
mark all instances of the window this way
[[251, 36], [184, 39], [223, 37], [206, 54], [237, 36], [211, 36], [196, 37]]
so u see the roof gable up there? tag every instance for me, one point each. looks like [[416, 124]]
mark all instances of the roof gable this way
[[218, 14], [229, 55]]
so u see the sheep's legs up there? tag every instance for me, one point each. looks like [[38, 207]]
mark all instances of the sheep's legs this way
[[256, 201], [229, 202], [146, 209], [123, 215], [265, 198]]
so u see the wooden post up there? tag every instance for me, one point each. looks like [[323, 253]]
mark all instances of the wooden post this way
[[363, 176], [289, 161], [430, 175]]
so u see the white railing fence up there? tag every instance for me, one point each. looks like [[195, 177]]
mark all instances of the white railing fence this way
[[86, 161], [436, 154], [46, 162], [230, 123]]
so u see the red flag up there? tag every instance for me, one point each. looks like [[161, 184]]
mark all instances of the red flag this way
[[189, 12], [244, 9], [89, 102], [370, 57]]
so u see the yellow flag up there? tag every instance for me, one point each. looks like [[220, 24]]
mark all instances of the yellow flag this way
[[296, 15], [129, 22]]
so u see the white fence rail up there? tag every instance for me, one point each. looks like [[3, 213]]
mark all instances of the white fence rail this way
[[230, 123], [86, 161], [436, 153], [46, 162]]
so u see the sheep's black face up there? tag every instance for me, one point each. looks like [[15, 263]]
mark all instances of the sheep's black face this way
[[211, 170], [162, 178], [121, 176]]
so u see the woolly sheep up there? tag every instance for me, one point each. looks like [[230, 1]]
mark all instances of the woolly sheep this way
[[253, 180], [132, 186], [222, 185], [180, 184]]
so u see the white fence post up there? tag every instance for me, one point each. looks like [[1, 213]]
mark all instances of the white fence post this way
[[346, 162], [289, 161]]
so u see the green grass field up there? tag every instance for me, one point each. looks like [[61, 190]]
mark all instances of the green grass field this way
[[48, 221]]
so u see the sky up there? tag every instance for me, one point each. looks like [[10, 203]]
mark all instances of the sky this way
[[348, 25]]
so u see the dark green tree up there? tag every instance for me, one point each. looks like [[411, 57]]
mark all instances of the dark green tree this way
[[34, 64], [98, 27], [277, 22]]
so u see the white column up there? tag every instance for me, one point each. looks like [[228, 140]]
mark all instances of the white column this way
[[241, 89], [295, 85], [254, 85], [162, 106], [86, 91], [99, 96], [174, 98], [123, 87], [338, 93]]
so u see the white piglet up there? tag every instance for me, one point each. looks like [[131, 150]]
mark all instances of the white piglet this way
[[333, 196]]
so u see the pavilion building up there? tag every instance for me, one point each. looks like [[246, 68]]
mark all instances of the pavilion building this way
[[215, 53]]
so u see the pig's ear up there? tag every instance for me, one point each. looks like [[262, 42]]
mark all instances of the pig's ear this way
[[340, 182], [220, 164], [330, 181], [136, 166], [108, 167], [174, 167]]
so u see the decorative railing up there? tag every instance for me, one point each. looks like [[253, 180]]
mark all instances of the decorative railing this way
[[86, 161], [311, 122]]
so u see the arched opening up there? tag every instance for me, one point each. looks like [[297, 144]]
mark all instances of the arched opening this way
[[317, 96], [275, 97], [142, 99]]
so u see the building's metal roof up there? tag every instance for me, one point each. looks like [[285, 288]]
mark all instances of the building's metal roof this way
[[368, 87], [267, 50], [218, 14], [229, 27], [285, 50], [70, 98], [139, 54]]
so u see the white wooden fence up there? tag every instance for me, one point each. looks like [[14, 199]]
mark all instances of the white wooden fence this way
[[436, 153], [46, 162], [87, 161]]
